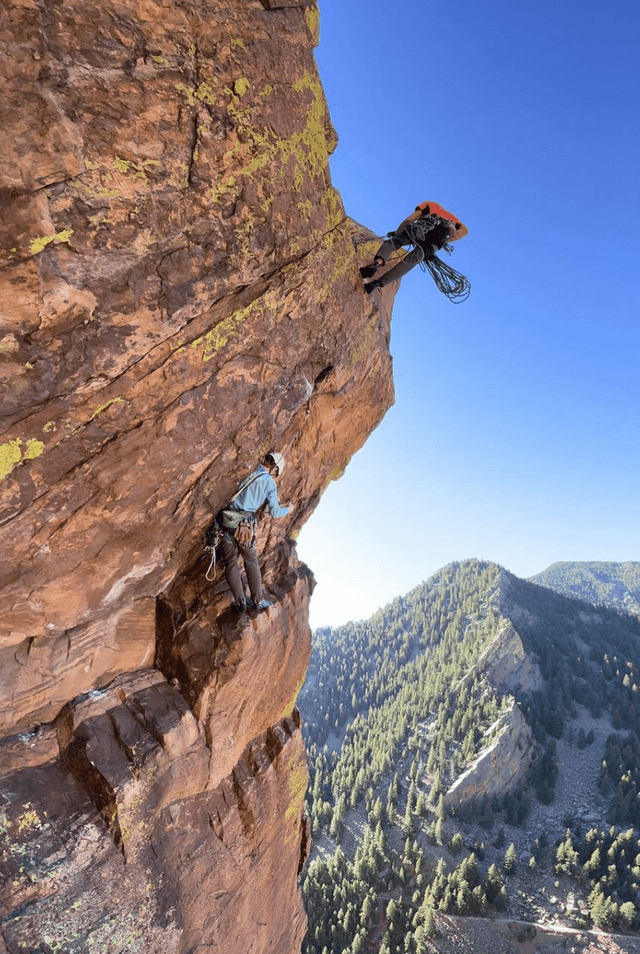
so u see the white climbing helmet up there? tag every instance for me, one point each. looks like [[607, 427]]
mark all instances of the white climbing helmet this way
[[278, 460]]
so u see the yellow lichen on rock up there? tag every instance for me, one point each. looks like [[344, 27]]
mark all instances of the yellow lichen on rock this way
[[103, 408], [216, 339], [241, 86], [11, 454], [256, 150], [312, 19], [39, 244]]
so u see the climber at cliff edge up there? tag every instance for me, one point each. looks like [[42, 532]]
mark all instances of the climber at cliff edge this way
[[428, 229], [237, 522]]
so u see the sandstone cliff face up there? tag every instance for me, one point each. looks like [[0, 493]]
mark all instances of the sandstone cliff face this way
[[178, 293]]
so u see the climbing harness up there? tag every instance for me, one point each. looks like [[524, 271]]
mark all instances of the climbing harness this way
[[397, 254], [232, 521], [419, 230]]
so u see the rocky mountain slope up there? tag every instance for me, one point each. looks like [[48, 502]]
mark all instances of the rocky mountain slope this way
[[178, 293], [616, 585], [475, 749]]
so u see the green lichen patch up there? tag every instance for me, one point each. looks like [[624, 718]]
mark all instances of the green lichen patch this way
[[33, 449], [205, 94], [29, 819], [311, 144], [305, 209], [297, 789], [10, 455]]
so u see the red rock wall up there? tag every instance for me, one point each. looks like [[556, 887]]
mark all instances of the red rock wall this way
[[178, 294]]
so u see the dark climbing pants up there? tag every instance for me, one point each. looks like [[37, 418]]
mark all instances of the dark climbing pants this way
[[412, 258], [231, 550]]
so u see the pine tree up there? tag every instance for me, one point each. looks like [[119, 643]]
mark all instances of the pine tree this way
[[567, 859], [510, 858], [455, 845], [367, 911]]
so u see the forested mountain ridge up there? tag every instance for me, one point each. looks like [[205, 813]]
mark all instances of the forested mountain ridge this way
[[474, 678], [616, 585]]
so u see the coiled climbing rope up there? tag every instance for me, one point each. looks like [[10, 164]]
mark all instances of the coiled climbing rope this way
[[451, 283]]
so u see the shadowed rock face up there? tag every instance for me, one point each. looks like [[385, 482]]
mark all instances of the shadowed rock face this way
[[178, 293]]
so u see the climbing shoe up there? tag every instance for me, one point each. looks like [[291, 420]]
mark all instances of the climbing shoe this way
[[239, 607], [369, 286], [367, 271], [262, 605]]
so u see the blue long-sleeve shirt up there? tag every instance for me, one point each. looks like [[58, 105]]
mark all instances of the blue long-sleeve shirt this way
[[262, 489]]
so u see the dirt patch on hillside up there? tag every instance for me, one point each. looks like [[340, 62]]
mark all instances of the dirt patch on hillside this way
[[481, 936]]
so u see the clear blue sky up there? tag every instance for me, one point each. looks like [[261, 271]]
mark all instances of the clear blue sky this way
[[514, 436]]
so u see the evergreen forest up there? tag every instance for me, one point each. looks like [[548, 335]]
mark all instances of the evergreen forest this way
[[399, 707]]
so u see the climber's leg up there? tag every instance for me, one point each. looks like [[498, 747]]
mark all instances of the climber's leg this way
[[231, 569], [252, 567], [405, 265], [384, 253], [410, 260]]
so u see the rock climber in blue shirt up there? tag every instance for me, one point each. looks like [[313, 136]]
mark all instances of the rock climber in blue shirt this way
[[238, 524]]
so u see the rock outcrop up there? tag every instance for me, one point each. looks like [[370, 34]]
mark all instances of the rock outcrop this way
[[507, 665], [178, 293], [509, 746], [502, 763]]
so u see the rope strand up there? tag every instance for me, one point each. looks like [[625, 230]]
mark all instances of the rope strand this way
[[212, 550]]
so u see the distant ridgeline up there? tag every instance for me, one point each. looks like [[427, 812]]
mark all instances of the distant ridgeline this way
[[443, 711], [616, 585]]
